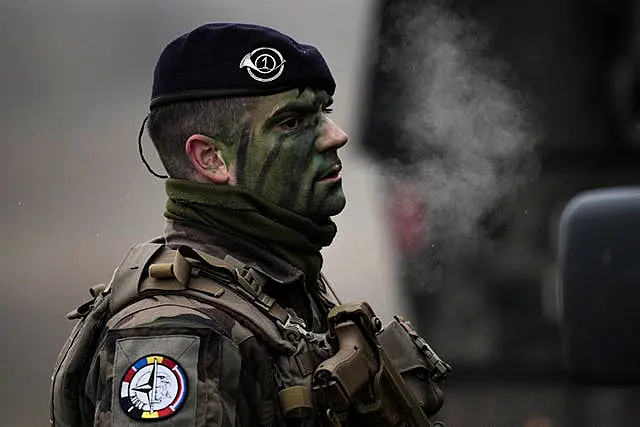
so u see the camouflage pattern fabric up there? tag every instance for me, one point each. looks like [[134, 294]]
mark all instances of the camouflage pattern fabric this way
[[229, 375], [171, 360]]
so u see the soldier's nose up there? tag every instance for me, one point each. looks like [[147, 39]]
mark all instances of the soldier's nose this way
[[332, 137]]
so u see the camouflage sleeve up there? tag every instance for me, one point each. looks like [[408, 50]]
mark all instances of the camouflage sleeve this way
[[172, 361]]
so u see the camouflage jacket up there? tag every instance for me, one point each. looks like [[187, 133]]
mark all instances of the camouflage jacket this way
[[193, 361]]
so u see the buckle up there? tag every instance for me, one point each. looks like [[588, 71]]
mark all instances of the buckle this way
[[245, 283], [294, 328], [264, 301], [249, 281], [441, 369]]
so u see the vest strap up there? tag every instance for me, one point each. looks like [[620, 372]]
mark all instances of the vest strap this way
[[198, 274], [246, 281], [206, 277]]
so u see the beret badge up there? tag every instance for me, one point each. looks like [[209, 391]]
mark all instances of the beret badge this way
[[264, 64]]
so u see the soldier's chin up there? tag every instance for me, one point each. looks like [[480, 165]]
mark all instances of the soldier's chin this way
[[331, 206]]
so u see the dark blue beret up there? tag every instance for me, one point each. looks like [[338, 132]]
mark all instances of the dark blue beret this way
[[228, 59]]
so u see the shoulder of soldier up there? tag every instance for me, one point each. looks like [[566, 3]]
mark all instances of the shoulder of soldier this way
[[166, 311], [160, 316], [197, 342]]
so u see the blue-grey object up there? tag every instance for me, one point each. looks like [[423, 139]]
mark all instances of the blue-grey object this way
[[600, 285]]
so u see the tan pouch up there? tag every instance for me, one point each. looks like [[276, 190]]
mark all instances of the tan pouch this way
[[414, 367]]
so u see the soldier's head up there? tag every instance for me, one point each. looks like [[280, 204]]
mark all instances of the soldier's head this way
[[247, 106]]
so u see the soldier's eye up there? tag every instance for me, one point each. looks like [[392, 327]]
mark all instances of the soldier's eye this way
[[290, 124]]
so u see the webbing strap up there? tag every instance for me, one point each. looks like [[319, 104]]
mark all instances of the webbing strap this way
[[207, 291], [250, 280], [296, 401], [247, 281], [187, 270], [204, 279]]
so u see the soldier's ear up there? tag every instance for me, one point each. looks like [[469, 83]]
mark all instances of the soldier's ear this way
[[206, 157]]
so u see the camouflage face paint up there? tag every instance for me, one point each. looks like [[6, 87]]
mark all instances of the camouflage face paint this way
[[288, 154]]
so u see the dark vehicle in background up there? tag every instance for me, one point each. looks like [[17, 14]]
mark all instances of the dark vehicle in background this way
[[543, 97]]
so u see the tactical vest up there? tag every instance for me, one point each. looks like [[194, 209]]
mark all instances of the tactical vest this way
[[227, 284]]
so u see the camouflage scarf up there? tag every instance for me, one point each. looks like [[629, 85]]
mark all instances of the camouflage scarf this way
[[293, 237]]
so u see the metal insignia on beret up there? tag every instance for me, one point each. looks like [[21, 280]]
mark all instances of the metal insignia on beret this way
[[153, 388], [263, 64]]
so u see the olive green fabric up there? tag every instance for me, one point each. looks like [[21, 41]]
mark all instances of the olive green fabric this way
[[293, 237]]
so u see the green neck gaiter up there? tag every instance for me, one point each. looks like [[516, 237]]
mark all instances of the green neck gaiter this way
[[293, 237]]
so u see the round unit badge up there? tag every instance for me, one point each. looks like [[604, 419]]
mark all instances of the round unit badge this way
[[263, 64], [153, 388]]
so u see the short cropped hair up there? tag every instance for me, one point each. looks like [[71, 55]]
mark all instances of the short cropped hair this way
[[171, 125]]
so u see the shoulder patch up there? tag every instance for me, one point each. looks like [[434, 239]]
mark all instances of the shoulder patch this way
[[153, 388], [153, 379]]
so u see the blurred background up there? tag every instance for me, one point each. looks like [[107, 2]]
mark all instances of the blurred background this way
[[472, 123]]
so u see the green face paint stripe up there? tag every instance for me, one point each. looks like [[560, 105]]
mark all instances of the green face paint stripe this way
[[311, 202], [304, 151], [243, 150], [268, 163]]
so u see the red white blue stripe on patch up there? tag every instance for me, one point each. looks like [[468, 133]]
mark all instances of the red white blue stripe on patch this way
[[153, 388]]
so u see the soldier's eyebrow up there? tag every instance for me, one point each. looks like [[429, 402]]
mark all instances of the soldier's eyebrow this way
[[302, 106]]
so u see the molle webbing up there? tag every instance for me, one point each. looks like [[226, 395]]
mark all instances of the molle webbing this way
[[227, 284], [229, 287]]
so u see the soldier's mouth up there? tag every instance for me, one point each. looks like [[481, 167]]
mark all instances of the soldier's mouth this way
[[332, 175]]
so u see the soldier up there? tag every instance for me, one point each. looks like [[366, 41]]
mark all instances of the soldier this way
[[221, 321]]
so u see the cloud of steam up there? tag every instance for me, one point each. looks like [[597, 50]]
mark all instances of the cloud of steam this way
[[472, 134]]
